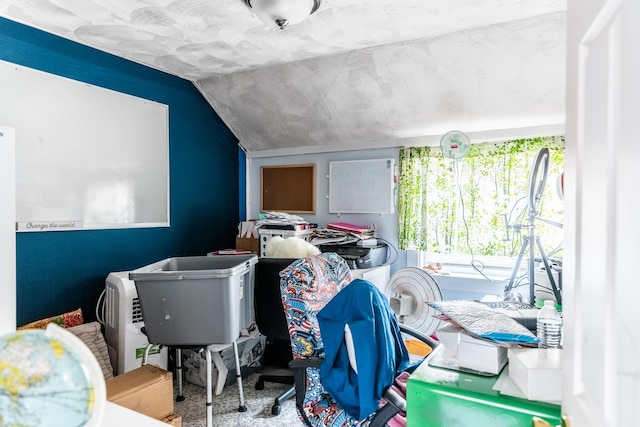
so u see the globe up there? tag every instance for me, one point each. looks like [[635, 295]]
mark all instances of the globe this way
[[49, 378]]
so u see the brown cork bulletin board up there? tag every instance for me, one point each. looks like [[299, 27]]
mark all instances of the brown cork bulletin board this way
[[288, 188]]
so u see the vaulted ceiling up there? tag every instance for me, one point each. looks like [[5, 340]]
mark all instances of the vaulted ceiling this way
[[355, 74]]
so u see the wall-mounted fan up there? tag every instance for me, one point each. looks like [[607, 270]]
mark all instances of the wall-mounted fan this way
[[409, 290], [455, 144]]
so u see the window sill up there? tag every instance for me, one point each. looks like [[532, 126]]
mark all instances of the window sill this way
[[460, 280], [469, 286], [496, 268]]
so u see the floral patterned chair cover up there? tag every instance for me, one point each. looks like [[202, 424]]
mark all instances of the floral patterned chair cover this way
[[307, 285]]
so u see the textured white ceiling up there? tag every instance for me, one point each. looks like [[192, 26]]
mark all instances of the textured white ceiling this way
[[356, 72]]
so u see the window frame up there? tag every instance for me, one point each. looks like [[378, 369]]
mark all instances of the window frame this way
[[462, 260]]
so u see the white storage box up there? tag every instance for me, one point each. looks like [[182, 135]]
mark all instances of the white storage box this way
[[473, 353], [196, 300], [268, 233], [537, 372]]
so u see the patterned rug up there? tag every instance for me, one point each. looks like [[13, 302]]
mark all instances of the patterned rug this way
[[225, 406]]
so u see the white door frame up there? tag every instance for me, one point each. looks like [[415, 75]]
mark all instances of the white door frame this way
[[601, 365], [7, 230]]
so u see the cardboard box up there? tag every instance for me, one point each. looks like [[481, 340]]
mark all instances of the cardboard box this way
[[173, 420], [473, 353], [537, 372], [147, 389], [248, 244]]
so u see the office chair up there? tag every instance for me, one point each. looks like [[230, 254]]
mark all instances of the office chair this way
[[169, 321], [271, 323], [338, 384]]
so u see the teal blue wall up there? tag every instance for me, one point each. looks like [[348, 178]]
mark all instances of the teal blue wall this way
[[61, 271]]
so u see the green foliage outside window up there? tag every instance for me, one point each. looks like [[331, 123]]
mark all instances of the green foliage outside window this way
[[463, 206]]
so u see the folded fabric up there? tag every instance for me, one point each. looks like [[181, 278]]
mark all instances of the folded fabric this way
[[65, 320], [400, 387], [91, 335], [481, 321]]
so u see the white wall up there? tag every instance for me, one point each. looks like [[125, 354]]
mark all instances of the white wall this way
[[7, 231], [387, 224]]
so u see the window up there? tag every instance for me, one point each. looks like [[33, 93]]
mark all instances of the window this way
[[478, 205]]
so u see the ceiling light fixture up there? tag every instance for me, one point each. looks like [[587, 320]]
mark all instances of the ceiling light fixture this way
[[283, 12]]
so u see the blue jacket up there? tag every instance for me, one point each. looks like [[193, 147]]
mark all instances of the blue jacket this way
[[380, 350]]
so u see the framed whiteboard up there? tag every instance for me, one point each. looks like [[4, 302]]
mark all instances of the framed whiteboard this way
[[86, 157], [362, 186]]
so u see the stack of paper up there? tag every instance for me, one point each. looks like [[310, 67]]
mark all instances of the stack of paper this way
[[248, 229], [358, 231], [322, 236], [282, 220]]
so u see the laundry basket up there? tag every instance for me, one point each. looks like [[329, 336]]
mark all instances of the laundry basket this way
[[195, 300]]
